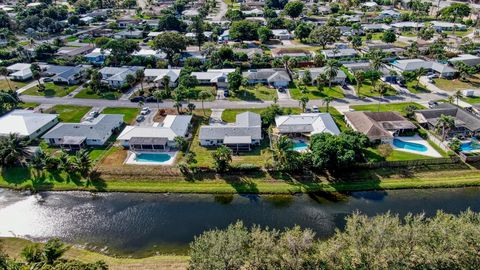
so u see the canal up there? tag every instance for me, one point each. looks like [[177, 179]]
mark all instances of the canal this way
[[143, 224]]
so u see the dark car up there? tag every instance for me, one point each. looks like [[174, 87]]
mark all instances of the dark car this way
[[150, 99], [137, 99]]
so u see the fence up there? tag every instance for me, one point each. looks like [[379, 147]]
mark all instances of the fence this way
[[408, 163], [469, 158]]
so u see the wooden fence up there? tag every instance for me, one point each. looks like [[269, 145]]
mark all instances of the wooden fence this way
[[408, 163]]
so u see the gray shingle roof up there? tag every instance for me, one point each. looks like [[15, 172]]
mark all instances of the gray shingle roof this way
[[247, 124]]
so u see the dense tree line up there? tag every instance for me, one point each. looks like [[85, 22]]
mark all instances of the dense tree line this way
[[387, 241]]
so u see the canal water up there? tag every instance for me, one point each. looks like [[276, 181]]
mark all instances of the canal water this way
[[144, 224]]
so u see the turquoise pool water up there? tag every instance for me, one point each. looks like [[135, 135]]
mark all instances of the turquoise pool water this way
[[410, 145], [470, 146], [152, 157], [300, 146]]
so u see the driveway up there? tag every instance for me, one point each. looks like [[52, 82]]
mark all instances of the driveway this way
[[216, 116], [222, 10], [148, 121], [284, 95]]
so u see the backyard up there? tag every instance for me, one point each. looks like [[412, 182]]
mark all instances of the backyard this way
[[373, 155], [129, 113], [69, 113], [51, 90]]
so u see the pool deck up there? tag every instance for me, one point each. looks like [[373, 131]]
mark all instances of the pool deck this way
[[431, 152], [131, 159]]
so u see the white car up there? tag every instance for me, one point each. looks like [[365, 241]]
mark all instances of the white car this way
[[145, 111], [315, 109]]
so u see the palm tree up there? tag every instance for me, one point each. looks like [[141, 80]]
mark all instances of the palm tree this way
[[191, 107], [327, 100], [359, 79], [140, 75], [177, 105], [158, 96], [35, 69], [281, 150], [13, 149], [203, 95], [303, 102], [37, 162], [180, 142], [4, 72], [381, 89], [166, 84], [83, 163], [376, 59], [331, 69], [445, 123], [450, 99], [457, 95], [419, 73]]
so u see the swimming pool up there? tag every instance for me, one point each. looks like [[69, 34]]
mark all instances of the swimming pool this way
[[409, 145], [300, 146], [470, 146], [152, 157]]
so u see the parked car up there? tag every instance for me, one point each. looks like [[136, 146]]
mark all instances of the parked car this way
[[432, 104], [93, 114], [140, 118], [145, 110], [315, 109], [48, 80], [308, 110], [151, 99], [282, 89], [225, 93], [137, 99]]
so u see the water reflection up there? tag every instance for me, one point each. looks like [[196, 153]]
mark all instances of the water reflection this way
[[149, 223]]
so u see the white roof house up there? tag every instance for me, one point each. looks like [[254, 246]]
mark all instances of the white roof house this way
[[246, 131], [213, 76], [26, 123], [468, 59], [156, 75], [20, 71], [146, 52], [306, 123], [172, 126], [446, 26], [407, 25], [116, 76], [414, 64], [315, 72], [281, 34]]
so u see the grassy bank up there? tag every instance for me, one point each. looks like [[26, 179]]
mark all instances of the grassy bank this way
[[259, 182], [13, 247]]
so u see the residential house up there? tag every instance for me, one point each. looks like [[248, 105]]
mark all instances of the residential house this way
[[379, 126], [126, 22], [370, 5], [282, 34], [69, 53], [134, 34], [406, 26], [305, 124], [467, 59], [192, 54], [250, 52], [75, 136], [156, 76], [116, 76], [340, 53], [68, 75], [156, 138], [444, 71], [20, 72], [277, 77], [466, 123], [224, 37], [97, 56], [215, 77], [26, 123], [447, 26], [256, 12], [292, 52], [375, 27], [148, 52], [315, 72], [242, 135], [389, 13]]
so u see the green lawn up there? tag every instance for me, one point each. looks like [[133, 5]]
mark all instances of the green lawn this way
[[129, 113], [471, 100], [51, 90], [88, 93], [257, 92], [4, 85], [210, 89], [386, 107], [375, 36], [373, 156], [229, 115], [69, 113], [412, 87], [313, 92], [27, 105], [454, 85], [367, 90]]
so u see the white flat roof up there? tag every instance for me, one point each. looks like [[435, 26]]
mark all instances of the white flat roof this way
[[24, 122]]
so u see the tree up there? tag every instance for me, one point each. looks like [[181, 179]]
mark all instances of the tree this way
[[4, 72], [83, 163], [158, 96], [170, 43], [244, 30], [359, 79], [381, 89], [385, 150], [96, 81], [222, 158], [376, 59], [283, 156], [454, 11], [457, 95], [37, 161], [325, 34], [203, 95], [53, 250], [327, 100], [36, 74], [235, 80], [455, 144], [445, 123], [303, 102], [294, 9], [389, 36], [356, 42], [426, 33], [166, 84], [264, 34], [170, 22], [198, 29], [120, 49], [13, 150], [140, 76], [418, 74], [181, 143], [32, 253], [302, 31], [307, 77], [331, 70]]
